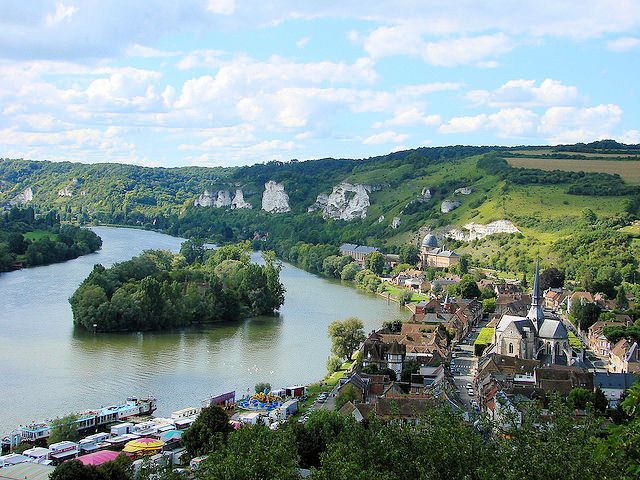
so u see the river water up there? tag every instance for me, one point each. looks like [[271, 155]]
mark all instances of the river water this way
[[48, 369]]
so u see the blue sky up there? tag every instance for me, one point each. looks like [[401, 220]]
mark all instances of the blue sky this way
[[232, 82]]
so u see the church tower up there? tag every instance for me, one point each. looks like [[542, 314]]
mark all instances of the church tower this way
[[535, 312]]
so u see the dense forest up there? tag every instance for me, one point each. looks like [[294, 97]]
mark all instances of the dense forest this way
[[27, 239], [159, 290]]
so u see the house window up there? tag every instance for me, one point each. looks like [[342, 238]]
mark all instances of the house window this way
[[511, 348]]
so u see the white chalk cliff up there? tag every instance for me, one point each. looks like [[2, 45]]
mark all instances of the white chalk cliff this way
[[476, 231], [449, 205], [274, 198], [68, 190], [25, 197], [238, 200], [347, 201], [206, 199]]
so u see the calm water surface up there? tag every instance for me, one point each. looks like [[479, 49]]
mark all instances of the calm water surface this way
[[47, 369]]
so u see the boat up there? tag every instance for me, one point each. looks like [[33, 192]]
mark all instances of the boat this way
[[90, 420]]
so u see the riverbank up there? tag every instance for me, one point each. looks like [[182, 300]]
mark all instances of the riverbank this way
[[176, 367]]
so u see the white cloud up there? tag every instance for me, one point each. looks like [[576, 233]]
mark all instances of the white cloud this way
[[507, 122], [407, 39], [524, 93], [147, 52], [385, 137], [600, 118], [302, 42], [513, 122], [62, 13], [464, 124], [223, 7], [410, 116], [624, 44], [630, 136]]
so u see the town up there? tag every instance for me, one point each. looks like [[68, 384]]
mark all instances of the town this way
[[487, 348]]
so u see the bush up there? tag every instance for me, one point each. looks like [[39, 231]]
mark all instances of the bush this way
[[404, 297]]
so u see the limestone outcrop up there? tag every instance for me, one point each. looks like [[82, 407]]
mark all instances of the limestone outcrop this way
[[426, 193], [476, 231], [239, 201], [396, 222], [221, 199], [206, 199], [25, 197], [346, 202], [449, 205], [381, 219], [463, 191], [68, 190], [274, 198]]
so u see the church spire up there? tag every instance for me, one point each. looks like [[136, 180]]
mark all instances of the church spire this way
[[535, 312]]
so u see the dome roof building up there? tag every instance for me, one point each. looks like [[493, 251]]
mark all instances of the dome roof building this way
[[429, 241]]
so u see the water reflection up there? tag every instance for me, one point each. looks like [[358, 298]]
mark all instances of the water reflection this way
[[48, 368]]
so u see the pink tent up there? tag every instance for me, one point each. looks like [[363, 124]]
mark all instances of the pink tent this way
[[98, 458]]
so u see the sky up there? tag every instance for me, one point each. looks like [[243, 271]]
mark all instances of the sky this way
[[234, 82]]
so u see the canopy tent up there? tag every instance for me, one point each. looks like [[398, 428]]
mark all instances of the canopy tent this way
[[171, 436], [143, 446], [98, 458]]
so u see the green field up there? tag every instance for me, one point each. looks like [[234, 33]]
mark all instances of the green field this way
[[38, 234], [393, 290], [629, 170]]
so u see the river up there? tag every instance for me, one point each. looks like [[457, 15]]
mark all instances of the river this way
[[48, 369]]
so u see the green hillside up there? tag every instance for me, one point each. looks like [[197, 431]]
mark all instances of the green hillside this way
[[550, 208]]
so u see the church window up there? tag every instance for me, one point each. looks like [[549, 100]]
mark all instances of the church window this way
[[511, 348]]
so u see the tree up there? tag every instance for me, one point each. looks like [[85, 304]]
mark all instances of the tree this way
[[394, 326], [261, 387], [409, 367], [468, 288], [333, 365], [208, 432], [64, 429], [192, 250], [346, 336], [551, 278], [348, 393], [404, 297], [489, 305], [254, 453], [374, 261], [585, 315], [622, 303], [75, 470], [350, 270], [409, 254]]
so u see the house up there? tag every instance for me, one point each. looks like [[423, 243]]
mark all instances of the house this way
[[613, 385], [513, 304], [361, 384], [435, 257], [562, 379], [357, 252], [359, 411], [582, 297], [554, 298], [598, 342], [402, 409], [624, 357], [427, 377]]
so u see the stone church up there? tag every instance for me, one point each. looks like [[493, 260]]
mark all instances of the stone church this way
[[533, 336]]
